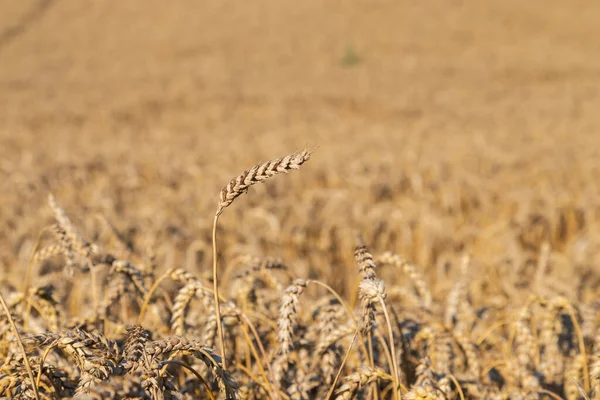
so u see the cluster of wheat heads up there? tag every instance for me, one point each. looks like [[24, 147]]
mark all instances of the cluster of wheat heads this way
[[147, 333]]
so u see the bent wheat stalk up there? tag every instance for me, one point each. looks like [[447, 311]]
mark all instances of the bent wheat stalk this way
[[193, 371], [236, 187]]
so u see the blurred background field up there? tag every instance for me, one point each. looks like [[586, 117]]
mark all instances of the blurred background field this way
[[440, 128]]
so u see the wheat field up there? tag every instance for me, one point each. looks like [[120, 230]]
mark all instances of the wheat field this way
[[300, 200]]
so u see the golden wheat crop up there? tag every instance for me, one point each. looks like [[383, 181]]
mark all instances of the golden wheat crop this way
[[131, 335], [441, 239]]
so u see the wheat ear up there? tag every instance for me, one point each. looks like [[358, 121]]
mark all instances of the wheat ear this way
[[354, 382], [229, 193], [260, 173]]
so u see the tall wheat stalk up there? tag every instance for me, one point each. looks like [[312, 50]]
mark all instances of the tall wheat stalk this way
[[236, 187]]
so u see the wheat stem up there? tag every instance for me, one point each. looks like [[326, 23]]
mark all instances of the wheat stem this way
[[150, 293], [184, 365], [25, 359], [216, 293], [392, 348], [341, 368], [348, 312], [42, 360]]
